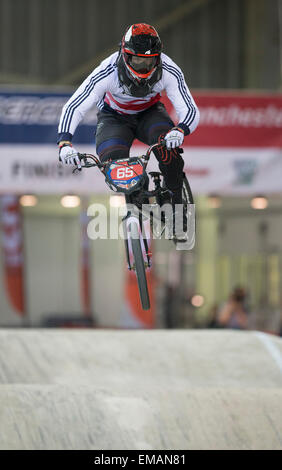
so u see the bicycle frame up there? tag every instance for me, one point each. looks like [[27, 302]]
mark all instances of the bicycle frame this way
[[90, 160]]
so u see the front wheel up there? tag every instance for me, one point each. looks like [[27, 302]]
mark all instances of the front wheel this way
[[139, 264]]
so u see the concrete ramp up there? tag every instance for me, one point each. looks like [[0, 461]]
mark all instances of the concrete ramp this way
[[157, 389]]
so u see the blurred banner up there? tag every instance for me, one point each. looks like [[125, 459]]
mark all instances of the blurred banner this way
[[237, 120], [236, 149], [33, 117], [34, 169], [13, 255]]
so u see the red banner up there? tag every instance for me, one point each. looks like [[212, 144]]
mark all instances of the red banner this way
[[236, 120], [13, 255]]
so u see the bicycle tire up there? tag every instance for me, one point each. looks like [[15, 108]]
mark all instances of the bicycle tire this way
[[139, 265], [187, 199], [186, 191]]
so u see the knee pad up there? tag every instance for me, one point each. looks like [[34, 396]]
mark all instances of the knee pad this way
[[164, 155], [171, 165]]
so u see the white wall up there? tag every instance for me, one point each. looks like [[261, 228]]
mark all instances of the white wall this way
[[52, 265], [107, 258]]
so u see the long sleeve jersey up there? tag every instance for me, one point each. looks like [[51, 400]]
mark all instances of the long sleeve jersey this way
[[102, 88]]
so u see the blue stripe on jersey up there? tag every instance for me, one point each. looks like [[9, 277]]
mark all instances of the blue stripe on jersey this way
[[100, 103], [181, 86], [183, 92], [89, 88], [80, 98]]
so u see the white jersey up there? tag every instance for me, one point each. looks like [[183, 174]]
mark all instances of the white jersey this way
[[102, 86]]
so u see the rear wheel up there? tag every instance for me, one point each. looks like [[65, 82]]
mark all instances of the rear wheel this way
[[187, 200], [139, 264], [187, 195]]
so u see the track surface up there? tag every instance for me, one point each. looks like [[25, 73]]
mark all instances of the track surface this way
[[157, 389]]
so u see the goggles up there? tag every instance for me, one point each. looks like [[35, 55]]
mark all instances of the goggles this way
[[142, 64]]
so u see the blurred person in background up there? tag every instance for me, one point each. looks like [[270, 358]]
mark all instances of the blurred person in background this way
[[233, 314], [127, 87]]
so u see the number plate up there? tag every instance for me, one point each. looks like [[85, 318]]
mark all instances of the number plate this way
[[125, 175]]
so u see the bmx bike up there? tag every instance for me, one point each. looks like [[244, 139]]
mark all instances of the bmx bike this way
[[129, 176]]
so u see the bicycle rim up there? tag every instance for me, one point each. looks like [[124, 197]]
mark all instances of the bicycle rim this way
[[139, 265]]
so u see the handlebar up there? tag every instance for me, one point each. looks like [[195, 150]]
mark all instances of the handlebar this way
[[84, 157]]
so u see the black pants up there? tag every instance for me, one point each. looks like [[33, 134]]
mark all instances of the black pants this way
[[115, 134]]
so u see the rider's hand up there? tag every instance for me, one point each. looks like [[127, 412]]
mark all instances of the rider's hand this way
[[174, 138], [68, 155]]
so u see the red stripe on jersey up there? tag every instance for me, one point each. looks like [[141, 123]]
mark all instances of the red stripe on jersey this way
[[131, 106], [106, 100]]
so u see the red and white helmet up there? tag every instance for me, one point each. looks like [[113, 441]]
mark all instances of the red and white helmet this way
[[139, 64]]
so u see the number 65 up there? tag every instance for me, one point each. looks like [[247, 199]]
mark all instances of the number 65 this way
[[124, 172]]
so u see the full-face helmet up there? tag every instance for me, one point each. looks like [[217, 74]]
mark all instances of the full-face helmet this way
[[139, 62]]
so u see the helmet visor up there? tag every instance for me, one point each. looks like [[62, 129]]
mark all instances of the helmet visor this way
[[142, 65]]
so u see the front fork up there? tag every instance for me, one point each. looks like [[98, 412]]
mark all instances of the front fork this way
[[133, 212]]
